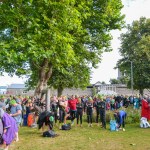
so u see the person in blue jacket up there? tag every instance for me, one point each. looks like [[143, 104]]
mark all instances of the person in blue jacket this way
[[120, 116]]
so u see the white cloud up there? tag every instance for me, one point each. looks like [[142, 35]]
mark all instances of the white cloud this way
[[7, 80]]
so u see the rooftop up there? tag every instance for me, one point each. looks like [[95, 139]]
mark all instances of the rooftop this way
[[17, 86]]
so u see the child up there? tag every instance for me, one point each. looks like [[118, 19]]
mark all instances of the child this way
[[79, 111]]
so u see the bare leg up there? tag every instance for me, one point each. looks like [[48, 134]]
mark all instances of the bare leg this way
[[65, 119], [17, 137], [43, 127], [6, 148]]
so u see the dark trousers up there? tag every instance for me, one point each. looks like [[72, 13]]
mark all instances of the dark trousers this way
[[89, 115], [61, 115], [55, 116], [103, 118], [79, 116], [73, 114], [122, 122]]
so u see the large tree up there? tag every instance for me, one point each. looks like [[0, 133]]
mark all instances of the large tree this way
[[135, 50], [46, 34], [77, 76]]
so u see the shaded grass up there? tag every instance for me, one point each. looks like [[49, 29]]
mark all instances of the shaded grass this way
[[85, 138]]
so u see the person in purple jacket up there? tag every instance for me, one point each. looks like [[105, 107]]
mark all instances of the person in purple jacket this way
[[120, 116], [10, 128]]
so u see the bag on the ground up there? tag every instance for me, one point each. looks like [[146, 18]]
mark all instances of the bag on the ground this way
[[49, 133], [31, 119], [113, 125], [66, 127], [144, 123]]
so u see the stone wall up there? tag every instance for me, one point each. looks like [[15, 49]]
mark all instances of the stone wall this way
[[126, 91], [123, 90], [74, 91]]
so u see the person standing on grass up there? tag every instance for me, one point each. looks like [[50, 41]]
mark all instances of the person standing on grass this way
[[62, 104], [54, 108], [89, 110], [97, 106], [72, 103], [102, 110], [10, 128], [79, 115], [120, 116], [145, 110], [16, 113]]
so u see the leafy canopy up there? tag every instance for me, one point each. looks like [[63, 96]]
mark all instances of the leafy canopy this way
[[37, 35], [135, 47]]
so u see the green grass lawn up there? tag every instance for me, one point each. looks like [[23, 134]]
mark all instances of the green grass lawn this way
[[85, 138]]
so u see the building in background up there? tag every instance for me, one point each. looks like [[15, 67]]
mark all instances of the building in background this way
[[3, 89], [18, 89]]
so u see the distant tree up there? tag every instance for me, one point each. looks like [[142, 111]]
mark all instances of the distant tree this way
[[135, 47], [114, 81], [103, 82]]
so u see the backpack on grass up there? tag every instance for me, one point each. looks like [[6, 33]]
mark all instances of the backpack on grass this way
[[49, 133], [113, 125], [66, 126]]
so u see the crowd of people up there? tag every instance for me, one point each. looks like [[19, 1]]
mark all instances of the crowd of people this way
[[16, 111]]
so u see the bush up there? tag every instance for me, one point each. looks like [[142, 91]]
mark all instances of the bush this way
[[133, 116]]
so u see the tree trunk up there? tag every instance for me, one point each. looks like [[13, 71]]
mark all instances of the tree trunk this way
[[48, 100], [141, 91], [45, 73], [59, 91]]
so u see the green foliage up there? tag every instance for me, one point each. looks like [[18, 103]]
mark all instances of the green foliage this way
[[133, 115], [135, 47], [121, 80], [37, 36], [94, 91], [114, 81]]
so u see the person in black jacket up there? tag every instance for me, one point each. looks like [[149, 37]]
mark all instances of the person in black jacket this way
[[102, 110], [79, 114], [89, 106], [97, 106], [54, 108]]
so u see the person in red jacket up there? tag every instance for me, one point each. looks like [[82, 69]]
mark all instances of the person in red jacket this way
[[148, 99], [72, 105], [145, 111]]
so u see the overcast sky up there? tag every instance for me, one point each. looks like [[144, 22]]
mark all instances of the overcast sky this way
[[133, 9]]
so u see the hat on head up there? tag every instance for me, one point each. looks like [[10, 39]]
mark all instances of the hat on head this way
[[100, 97], [90, 98], [12, 102]]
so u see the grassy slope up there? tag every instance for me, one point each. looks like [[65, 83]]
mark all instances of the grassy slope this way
[[85, 138]]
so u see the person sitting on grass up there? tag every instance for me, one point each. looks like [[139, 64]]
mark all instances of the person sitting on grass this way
[[10, 128], [120, 116]]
